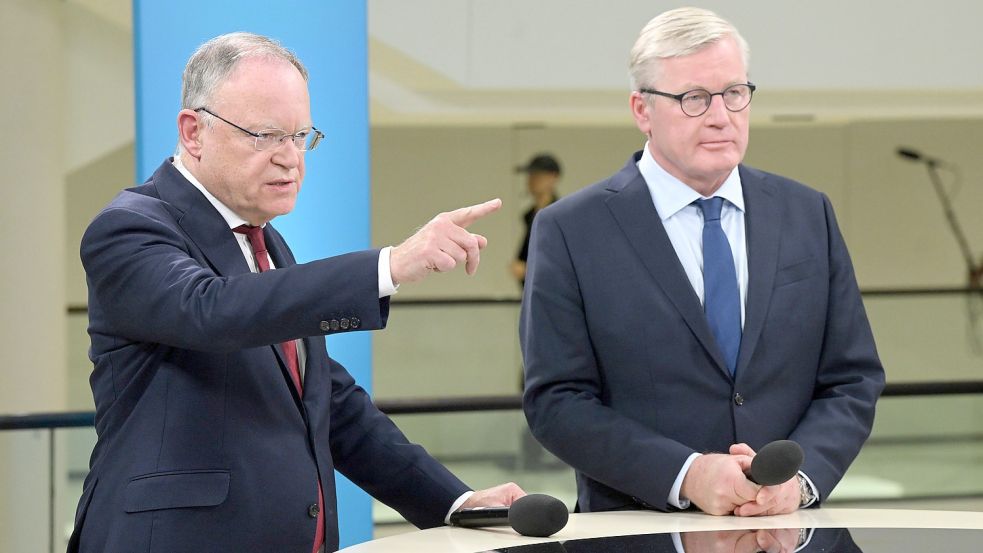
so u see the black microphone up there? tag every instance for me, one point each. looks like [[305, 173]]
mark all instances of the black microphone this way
[[914, 155], [537, 515], [776, 463]]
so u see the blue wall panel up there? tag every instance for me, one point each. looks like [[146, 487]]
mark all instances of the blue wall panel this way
[[332, 213]]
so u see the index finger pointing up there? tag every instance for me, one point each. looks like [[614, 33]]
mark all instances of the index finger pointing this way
[[466, 215]]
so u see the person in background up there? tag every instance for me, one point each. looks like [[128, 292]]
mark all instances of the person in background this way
[[542, 177]]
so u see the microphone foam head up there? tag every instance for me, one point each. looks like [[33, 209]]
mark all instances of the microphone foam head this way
[[776, 462], [538, 515]]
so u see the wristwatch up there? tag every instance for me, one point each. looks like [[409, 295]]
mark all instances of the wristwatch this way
[[806, 497]]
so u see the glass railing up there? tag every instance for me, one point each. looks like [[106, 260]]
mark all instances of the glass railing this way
[[927, 440]]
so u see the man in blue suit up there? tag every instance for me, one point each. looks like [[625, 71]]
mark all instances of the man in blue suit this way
[[220, 416], [689, 309]]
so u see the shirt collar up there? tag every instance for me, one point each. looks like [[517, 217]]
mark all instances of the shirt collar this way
[[230, 216], [670, 194]]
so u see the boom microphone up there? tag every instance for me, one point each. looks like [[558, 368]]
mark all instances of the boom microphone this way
[[537, 515], [908, 153], [912, 154], [776, 463]]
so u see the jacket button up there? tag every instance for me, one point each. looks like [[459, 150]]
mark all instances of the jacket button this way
[[356, 322], [335, 325], [345, 323], [313, 510], [325, 326], [738, 399]]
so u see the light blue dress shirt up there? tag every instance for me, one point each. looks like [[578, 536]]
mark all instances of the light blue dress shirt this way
[[683, 221]]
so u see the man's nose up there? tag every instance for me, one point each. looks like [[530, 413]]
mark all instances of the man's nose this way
[[717, 113], [286, 153]]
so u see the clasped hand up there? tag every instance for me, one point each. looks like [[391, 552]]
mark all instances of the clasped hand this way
[[441, 244], [717, 483]]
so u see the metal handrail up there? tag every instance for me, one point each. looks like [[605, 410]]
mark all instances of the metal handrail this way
[[468, 404], [81, 309]]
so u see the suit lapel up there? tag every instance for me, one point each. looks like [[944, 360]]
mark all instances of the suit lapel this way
[[201, 222], [763, 221], [632, 208], [210, 232]]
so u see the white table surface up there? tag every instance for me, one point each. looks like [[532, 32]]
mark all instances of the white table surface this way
[[592, 525]]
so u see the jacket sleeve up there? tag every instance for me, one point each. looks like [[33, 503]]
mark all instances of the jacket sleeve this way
[[150, 284], [849, 378], [372, 452]]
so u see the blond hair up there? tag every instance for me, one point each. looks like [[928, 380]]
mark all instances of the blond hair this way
[[676, 33]]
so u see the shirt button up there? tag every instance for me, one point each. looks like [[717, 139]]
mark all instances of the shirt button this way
[[325, 326], [356, 322], [313, 510], [335, 325], [738, 399], [345, 323]]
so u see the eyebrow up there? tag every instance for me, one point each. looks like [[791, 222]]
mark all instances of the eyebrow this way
[[692, 86], [273, 127]]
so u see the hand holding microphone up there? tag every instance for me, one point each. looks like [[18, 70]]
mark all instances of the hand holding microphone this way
[[724, 484], [774, 467]]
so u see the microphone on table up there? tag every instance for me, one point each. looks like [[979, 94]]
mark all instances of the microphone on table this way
[[776, 463], [537, 515]]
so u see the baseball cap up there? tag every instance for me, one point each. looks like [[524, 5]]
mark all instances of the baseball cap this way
[[540, 163]]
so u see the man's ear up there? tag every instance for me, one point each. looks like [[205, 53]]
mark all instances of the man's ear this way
[[190, 128], [642, 112]]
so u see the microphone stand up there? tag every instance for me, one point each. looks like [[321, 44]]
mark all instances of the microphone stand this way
[[973, 271]]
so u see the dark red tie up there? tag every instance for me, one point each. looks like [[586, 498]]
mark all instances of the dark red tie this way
[[289, 348]]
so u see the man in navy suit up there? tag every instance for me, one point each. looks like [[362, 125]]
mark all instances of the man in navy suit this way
[[689, 309], [220, 417]]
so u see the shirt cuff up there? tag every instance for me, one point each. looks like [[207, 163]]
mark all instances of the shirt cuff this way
[[815, 492], [457, 505], [386, 286], [674, 499]]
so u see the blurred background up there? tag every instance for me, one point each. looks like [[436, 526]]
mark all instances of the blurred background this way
[[462, 92]]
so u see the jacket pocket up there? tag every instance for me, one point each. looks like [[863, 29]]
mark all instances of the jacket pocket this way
[[796, 271], [176, 489]]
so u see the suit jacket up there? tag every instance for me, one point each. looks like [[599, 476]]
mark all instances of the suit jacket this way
[[623, 377], [203, 442]]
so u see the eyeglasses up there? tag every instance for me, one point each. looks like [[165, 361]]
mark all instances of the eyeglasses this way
[[696, 102], [305, 140]]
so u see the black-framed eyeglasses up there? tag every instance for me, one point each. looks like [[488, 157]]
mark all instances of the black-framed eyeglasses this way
[[305, 140], [696, 102]]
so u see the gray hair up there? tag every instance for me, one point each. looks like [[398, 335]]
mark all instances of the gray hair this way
[[677, 33], [214, 61]]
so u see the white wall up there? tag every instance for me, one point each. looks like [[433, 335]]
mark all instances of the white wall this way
[[583, 44], [32, 219]]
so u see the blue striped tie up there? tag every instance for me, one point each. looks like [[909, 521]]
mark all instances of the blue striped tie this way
[[722, 299]]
